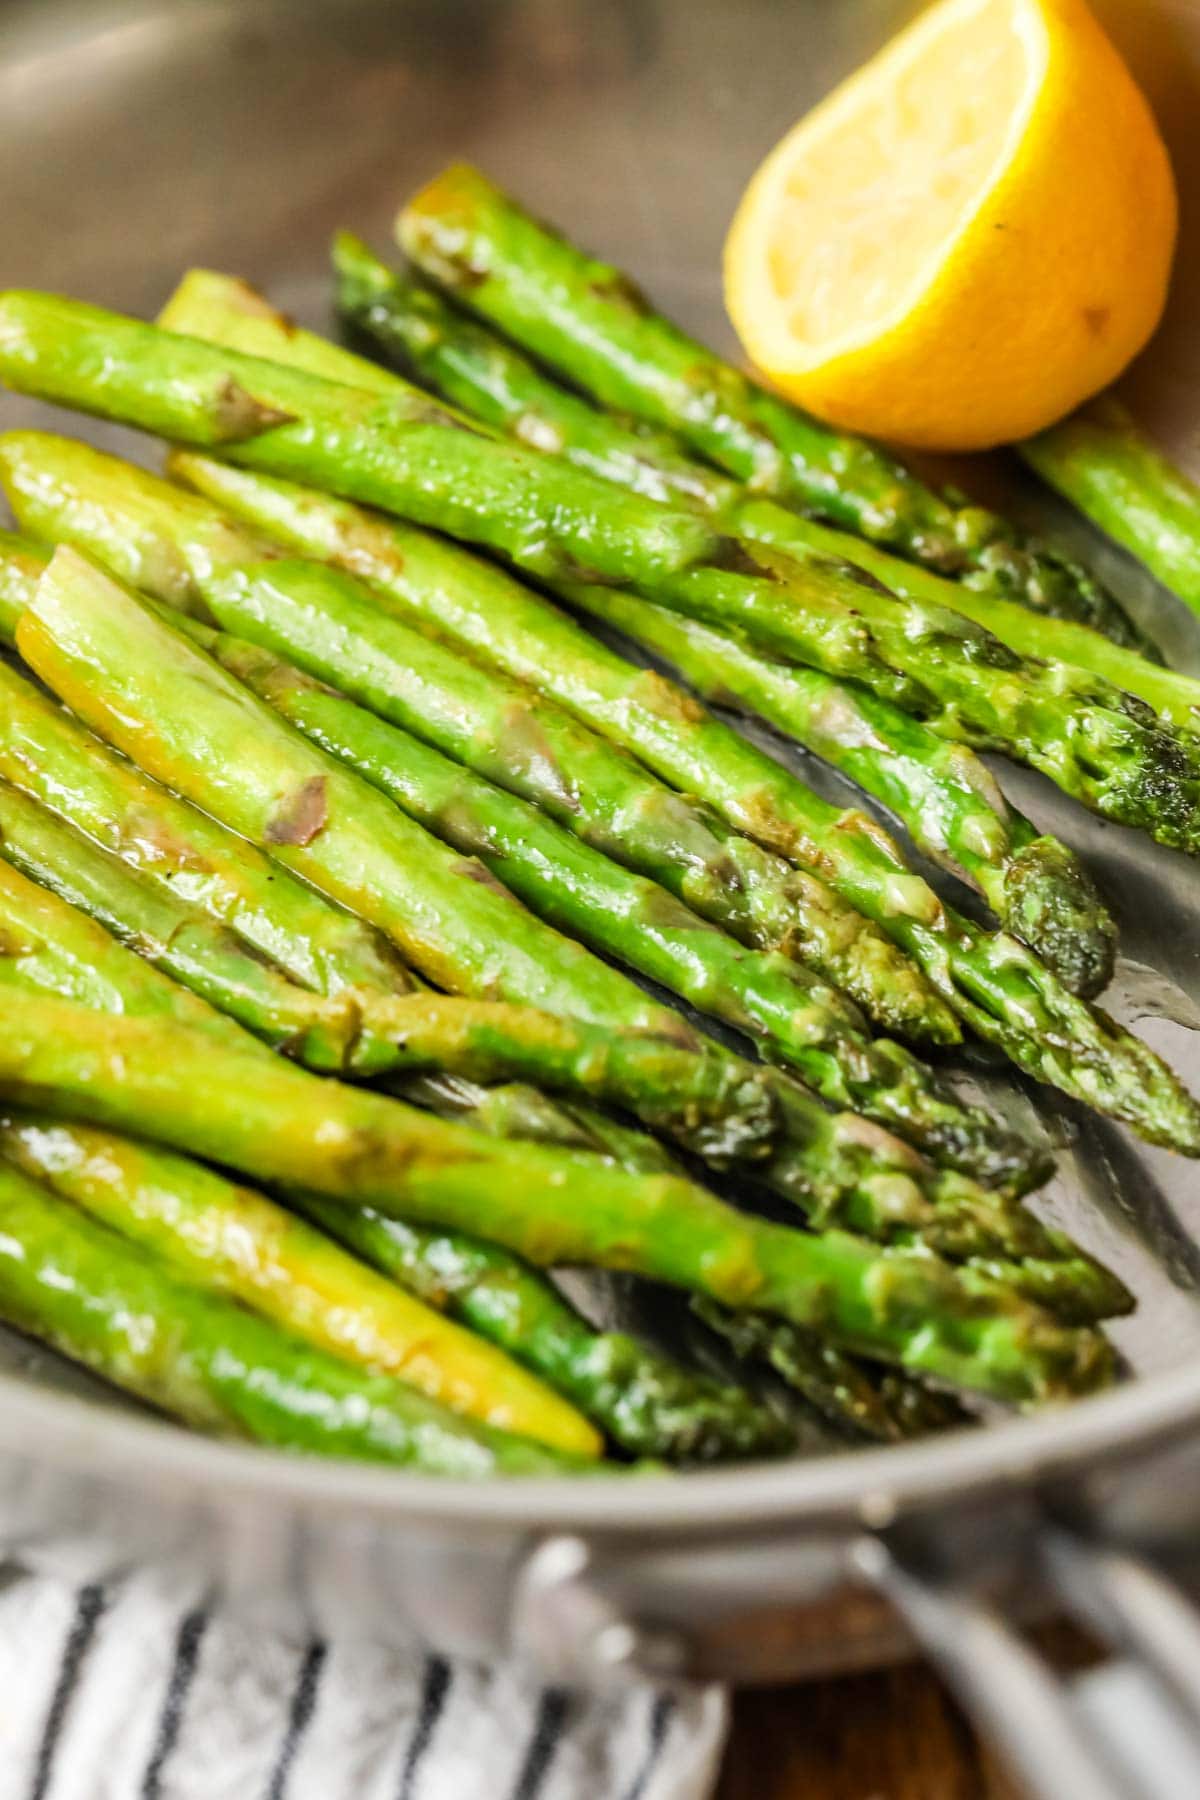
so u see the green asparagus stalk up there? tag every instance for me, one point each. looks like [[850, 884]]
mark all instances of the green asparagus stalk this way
[[141, 527], [717, 1106], [589, 321], [340, 635], [190, 553], [1005, 994], [643, 1402], [273, 1122], [178, 939], [833, 1168], [1102, 463], [648, 1405], [406, 455], [76, 1285], [225, 310], [942, 793], [82, 623], [229, 1240], [46, 946], [641, 1399]]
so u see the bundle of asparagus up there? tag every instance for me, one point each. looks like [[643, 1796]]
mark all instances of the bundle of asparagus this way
[[320, 902], [735, 776], [941, 792], [589, 320]]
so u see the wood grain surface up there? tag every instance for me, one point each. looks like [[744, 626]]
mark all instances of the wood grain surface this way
[[895, 1735]]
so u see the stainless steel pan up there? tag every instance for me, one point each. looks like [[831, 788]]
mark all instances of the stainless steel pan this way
[[138, 139]]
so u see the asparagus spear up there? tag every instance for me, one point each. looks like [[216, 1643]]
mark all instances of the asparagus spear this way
[[226, 1239], [141, 527], [717, 1106], [648, 1405], [81, 1288], [1115, 475], [82, 623], [273, 1122], [644, 1403], [340, 635], [225, 310], [588, 320], [866, 1399], [941, 792], [1004, 993], [405, 454], [832, 1168], [190, 553]]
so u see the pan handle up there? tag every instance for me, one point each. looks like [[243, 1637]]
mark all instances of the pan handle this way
[[955, 1577], [1128, 1732]]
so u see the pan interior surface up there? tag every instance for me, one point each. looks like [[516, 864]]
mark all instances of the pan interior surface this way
[[139, 140]]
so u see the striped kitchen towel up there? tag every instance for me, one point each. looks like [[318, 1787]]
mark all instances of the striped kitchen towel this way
[[122, 1694]]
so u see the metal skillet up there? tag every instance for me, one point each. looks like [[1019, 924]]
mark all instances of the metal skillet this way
[[139, 138]]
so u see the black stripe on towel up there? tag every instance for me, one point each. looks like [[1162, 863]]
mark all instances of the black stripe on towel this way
[[90, 1603], [434, 1689], [543, 1745], [304, 1699], [183, 1668], [661, 1714]]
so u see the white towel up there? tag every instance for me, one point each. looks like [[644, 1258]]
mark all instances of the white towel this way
[[122, 1694]]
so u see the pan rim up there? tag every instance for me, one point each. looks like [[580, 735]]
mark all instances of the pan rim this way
[[843, 1491]]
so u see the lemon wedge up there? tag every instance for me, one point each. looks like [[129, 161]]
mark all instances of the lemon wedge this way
[[968, 238]]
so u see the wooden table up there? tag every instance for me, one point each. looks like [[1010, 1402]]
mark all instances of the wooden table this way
[[896, 1735]]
